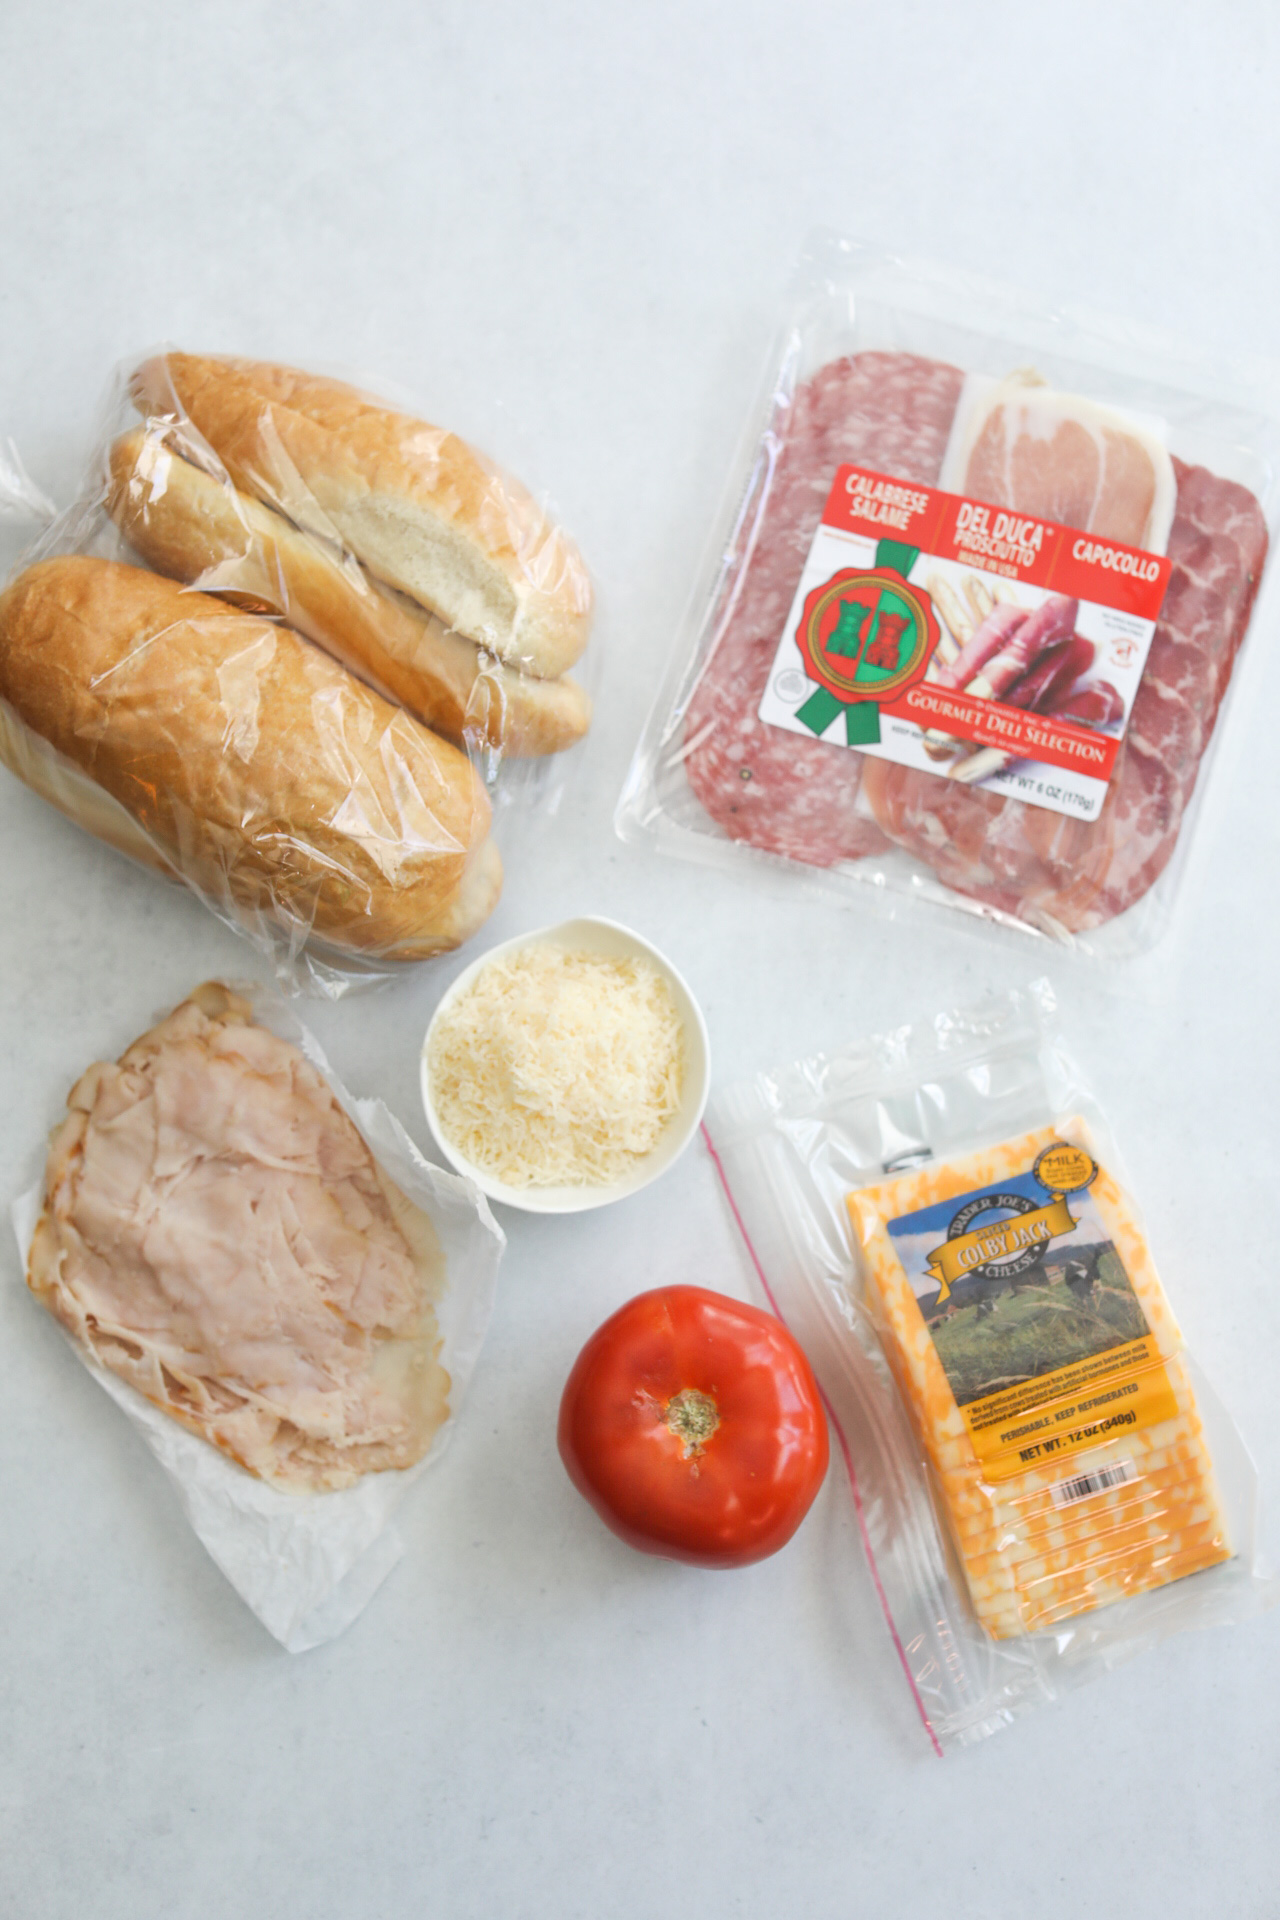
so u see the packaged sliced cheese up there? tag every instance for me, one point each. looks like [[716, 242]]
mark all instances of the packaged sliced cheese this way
[[1044, 1481], [1027, 1329]]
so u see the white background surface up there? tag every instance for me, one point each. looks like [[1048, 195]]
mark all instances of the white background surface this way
[[565, 229]]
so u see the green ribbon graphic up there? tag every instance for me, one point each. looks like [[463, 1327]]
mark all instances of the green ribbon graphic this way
[[854, 627], [897, 555]]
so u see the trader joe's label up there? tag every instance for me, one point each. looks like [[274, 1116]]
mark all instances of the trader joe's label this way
[[1039, 1332], [966, 640]]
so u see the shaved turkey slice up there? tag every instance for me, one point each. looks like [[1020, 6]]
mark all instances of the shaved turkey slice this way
[[216, 1232]]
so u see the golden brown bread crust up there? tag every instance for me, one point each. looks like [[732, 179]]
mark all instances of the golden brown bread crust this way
[[416, 504], [201, 531], [68, 788], [274, 781]]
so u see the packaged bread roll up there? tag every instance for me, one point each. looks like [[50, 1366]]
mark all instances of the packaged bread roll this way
[[202, 531], [424, 511], [266, 776]]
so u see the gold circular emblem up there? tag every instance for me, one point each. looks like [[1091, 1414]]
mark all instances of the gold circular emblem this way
[[1064, 1169]]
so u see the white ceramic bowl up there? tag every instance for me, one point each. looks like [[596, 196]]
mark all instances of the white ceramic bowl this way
[[619, 943]]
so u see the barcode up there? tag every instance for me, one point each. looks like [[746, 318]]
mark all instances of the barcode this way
[[1084, 1484]]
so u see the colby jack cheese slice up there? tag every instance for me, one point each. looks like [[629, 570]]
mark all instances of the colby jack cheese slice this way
[[1044, 1603], [1125, 1487], [1136, 1499], [1114, 1487], [1029, 1333], [1094, 1552]]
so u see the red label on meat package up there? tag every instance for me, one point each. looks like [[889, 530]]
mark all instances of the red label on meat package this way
[[1015, 546], [1042, 635]]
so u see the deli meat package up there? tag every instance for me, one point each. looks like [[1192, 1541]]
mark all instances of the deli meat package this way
[[969, 629], [1044, 1480]]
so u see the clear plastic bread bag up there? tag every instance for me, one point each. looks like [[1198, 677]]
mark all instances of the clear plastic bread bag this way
[[307, 1559], [301, 651], [1045, 1482], [971, 610]]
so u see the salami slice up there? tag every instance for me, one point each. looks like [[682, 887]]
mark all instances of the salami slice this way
[[889, 411]]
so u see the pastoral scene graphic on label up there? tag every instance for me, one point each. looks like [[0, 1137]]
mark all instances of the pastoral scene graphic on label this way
[[1016, 1281], [963, 640], [1021, 1286]]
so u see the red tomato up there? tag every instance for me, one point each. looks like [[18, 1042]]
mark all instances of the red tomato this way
[[694, 1427]]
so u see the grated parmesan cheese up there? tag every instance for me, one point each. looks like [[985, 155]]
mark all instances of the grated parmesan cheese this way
[[557, 1068]]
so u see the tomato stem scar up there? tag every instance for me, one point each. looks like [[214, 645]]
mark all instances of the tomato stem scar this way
[[692, 1417]]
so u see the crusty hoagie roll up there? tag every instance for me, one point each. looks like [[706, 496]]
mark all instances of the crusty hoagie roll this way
[[204, 532], [271, 779], [416, 504]]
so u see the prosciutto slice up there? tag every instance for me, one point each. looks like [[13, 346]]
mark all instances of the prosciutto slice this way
[[1043, 688], [1039, 633], [1067, 459], [991, 637], [217, 1233]]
